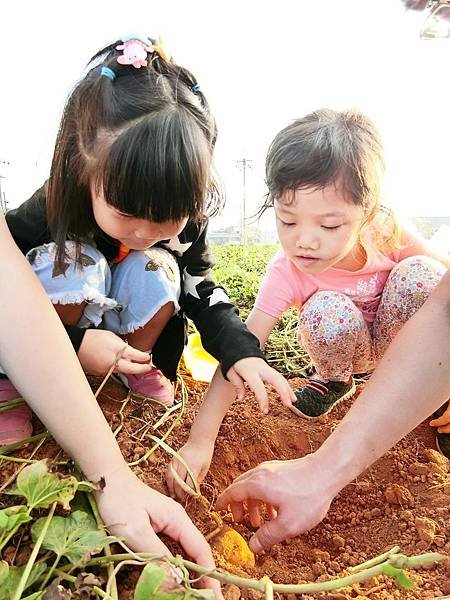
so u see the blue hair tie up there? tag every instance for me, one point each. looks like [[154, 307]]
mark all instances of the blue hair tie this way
[[196, 88], [109, 73]]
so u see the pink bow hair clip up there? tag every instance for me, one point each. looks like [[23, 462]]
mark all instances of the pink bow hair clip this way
[[134, 53]]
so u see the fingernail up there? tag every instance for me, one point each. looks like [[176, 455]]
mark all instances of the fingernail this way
[[255, 546]]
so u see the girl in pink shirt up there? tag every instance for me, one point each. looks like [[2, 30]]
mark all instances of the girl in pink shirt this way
[[345, 263], [353, 274]]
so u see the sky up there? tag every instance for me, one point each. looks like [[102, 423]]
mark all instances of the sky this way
[[260, 64]]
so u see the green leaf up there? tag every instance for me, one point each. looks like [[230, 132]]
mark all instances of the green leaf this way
[[76, 537], [155, 583], [12, 517], [4, 570], [400, 577], [10, 582], [41, 488], [87, 486], [203, 594]]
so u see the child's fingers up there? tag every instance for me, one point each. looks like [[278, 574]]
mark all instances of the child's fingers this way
[[281, 386], [175, 490], [132, 368], [445, 429], [136, 355], [170, 480], [237, 382], [442, 420], [257, 386]]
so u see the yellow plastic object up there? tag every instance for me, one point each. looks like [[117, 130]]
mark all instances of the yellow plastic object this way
[[234, 549], [199, 363]]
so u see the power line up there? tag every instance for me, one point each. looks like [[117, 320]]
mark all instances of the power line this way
[[243, 164]]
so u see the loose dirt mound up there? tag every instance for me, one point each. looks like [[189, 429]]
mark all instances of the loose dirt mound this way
[[403, 499]]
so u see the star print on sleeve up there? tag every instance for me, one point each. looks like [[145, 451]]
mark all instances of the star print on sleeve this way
[[176, 246], [191, 282], [217, 296]]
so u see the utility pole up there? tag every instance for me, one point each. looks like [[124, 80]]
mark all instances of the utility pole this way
[[243, 164], [3, 201]]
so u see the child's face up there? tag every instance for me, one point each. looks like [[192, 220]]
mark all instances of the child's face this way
[[319, 229], [132, 232]]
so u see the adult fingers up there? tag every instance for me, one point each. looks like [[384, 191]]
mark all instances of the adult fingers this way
[[269, 534], [237, 508], [254, 513], [132, 368], [445, 429], [271, 511], [237, 383], [241, 490]]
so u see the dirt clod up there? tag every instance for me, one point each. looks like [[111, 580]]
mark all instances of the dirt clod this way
[[398, 494]]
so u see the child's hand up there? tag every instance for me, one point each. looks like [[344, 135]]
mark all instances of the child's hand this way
[[443, 422], [198, 456], [99, 349], [137, 513], [256, 372]]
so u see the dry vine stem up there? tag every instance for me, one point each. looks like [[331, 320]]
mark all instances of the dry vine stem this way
[[395, 560], [113, 366]]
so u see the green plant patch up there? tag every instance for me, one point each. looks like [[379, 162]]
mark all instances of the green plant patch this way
[[41, 488], [76, 537]]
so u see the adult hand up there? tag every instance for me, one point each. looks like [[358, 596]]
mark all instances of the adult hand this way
[[295, 493], [256, 372], [198, 456], [137, 513], [99, 349], [443, 422]]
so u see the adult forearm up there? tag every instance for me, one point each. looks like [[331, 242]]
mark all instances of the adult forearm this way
[[38, 357], [412, 381]]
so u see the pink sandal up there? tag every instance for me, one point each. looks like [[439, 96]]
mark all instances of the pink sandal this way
[[15, 423]]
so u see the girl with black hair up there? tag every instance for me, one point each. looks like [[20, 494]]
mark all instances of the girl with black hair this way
[[117, 236]]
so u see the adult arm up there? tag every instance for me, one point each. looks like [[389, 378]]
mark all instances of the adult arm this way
[[55, 388], [406, 387]]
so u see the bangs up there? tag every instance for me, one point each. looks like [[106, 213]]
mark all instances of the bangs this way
[[158, 169]]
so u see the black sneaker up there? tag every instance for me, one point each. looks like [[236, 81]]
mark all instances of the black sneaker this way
[[443, 444], [442, 439], [318, 398]]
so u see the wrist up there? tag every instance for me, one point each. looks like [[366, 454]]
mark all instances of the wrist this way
[[101, 472], [201, 439], [337, 464]]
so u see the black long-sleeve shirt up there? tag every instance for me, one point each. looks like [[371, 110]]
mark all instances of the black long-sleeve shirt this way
[[223, 333]]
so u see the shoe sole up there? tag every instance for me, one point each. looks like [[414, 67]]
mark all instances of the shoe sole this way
[[18, 435], [349, 394], [439, 449], [119, 378]]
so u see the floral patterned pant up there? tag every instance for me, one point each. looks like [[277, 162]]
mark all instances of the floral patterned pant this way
[[337, 338]]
